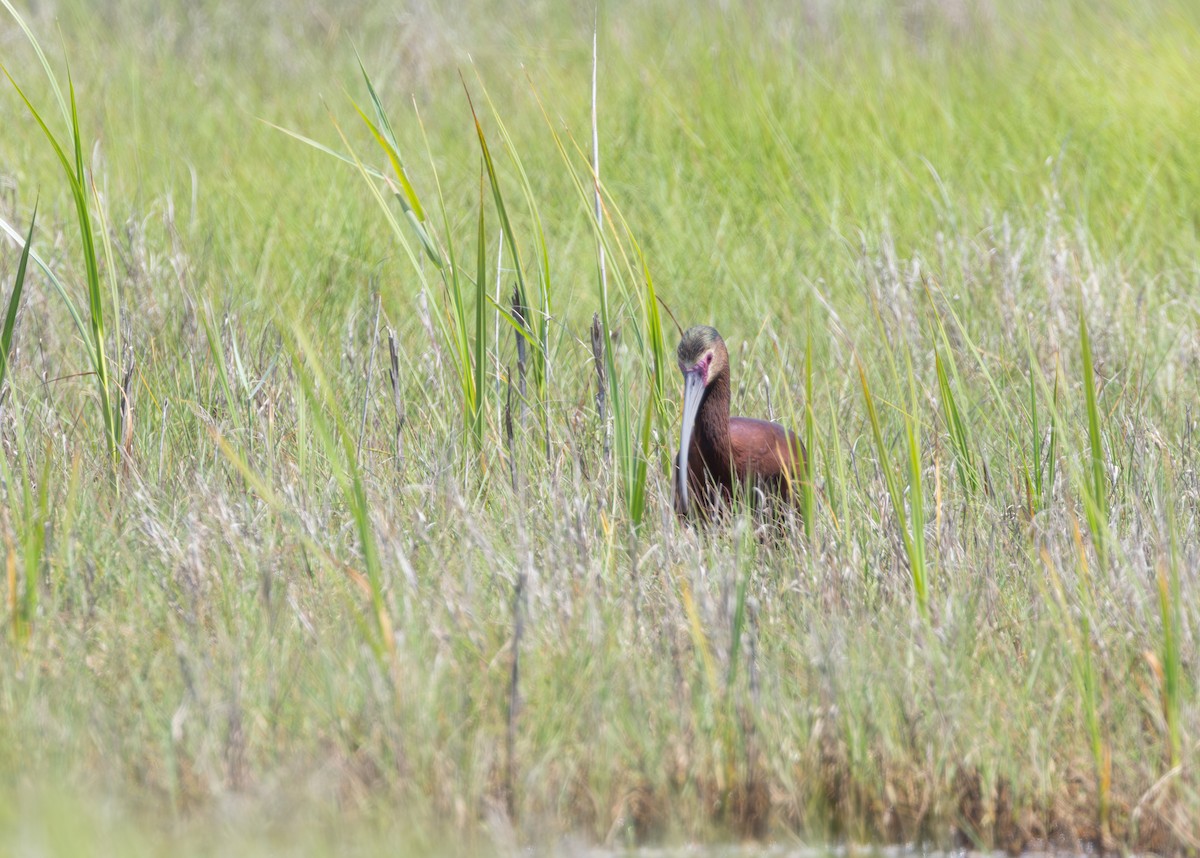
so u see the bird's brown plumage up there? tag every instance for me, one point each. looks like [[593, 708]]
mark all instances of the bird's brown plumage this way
[[726, 453]]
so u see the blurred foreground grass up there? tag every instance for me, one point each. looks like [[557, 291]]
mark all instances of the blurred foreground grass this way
[[971, 201]]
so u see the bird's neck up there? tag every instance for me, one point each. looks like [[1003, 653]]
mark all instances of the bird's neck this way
[[712, 423]]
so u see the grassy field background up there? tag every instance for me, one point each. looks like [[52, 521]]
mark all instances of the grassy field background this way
[[954, 244]]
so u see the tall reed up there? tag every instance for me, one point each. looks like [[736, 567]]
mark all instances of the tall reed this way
[[70, 158]]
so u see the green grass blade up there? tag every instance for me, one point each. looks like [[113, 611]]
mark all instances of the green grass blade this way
[[14, 301], [1039, 491], [917, 563], [408, 199], [480, 356], [326, 150], [216, 351], [80, 327], [387, 139], [959, 433], [808, 486], [46, 67], [339, 447], [914, 546], [501, 209], [1098, 514], [540, 320], [637, 498]]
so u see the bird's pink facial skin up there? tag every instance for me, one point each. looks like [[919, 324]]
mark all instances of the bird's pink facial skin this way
[[695, 380], [701, 366]]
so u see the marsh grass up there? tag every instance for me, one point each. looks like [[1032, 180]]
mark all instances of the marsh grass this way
[[1095, 489], [83, 193], [903, 480], [323, 607]]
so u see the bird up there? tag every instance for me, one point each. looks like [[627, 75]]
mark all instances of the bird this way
[[717, 452]]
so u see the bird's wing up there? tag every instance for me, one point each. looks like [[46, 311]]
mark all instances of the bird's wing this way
[[759, 445]]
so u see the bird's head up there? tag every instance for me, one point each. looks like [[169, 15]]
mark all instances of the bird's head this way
[[702, 357], [702, 354]]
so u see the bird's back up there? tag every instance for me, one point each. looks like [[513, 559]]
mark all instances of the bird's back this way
[[765, 451]]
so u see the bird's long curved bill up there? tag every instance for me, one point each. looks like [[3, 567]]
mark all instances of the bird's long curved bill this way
[[693, 394]]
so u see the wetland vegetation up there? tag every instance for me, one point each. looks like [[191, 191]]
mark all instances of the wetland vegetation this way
[[337, 426]]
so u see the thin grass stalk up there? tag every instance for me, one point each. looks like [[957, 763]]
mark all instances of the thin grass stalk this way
[[1170, 606], [509, 436], [125, 414], [641, 467], [336, 440], [916, 542], [984, 364], [362, 425], [407, 197], [14, 303], [499, 374], [33, 509], [397, 398], [739, 603], [538, 323], [59, 287], [476, 415], [727, 725], [521, 316], [37, 522], [1054, 403], [652, 322], [1035, 488], [916, 498], [702, 646], [837, 477], [514, 699], [1090, 683], [914, 549], [1052, 446], [162, 437], [1096, 494], [10, 568], [216, 351], [1044, 451], [599, 209], [808, 496], [45, 63], [599, 361], [968, 467], [1171, 679], [1085, 671], [960, 440], [243, 379], [118, 346]]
